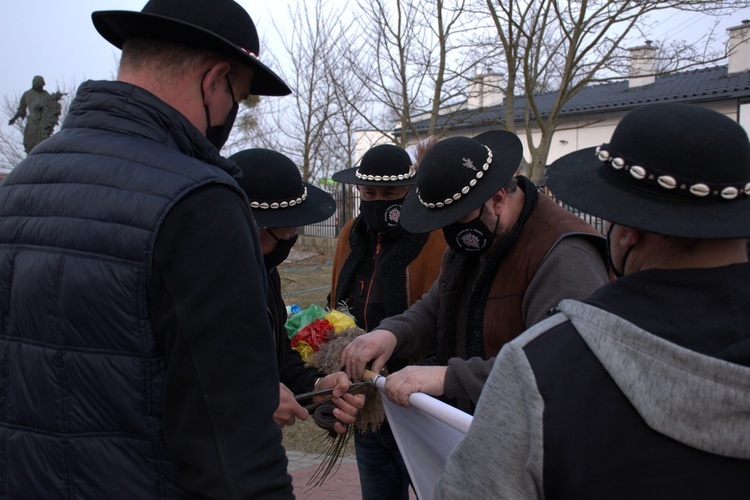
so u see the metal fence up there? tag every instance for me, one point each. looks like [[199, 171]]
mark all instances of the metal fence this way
[[347, 207], [595, 222]]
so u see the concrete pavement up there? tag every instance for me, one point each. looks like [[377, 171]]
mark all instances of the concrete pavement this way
[[342, 483]]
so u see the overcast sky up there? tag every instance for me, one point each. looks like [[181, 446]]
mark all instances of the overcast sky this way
[[56, 39]]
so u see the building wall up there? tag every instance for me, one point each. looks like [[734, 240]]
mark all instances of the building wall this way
[[583, 133], [593, 130], [364, 140]]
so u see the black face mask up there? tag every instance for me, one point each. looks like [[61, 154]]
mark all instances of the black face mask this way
[[280, 252], [218, 134], [470, 238], [381, 215]]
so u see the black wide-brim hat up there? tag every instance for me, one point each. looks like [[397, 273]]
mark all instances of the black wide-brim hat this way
[[673, 169], [382, 165], [457, 175], [278, 196], [221, 26]]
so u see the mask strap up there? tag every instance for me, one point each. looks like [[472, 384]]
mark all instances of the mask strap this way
[[615, 271], [271, 233], [497, 221], [231, 90], [203, 98]]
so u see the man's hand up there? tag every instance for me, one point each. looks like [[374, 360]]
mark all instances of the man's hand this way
[[289, 409], [347, 405], [427, 379], [376, 346]]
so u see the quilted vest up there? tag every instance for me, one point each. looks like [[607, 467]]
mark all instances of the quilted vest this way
[[80, 375]]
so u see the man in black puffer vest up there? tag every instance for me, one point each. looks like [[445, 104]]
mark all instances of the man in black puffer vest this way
[[128, 370]]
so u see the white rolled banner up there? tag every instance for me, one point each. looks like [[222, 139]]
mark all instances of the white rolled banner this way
[[426, 433]]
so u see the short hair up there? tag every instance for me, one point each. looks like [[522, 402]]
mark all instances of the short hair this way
[[511, 186], [173, 59]]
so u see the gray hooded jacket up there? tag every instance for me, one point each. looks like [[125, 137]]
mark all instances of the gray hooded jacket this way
[[588, 404]]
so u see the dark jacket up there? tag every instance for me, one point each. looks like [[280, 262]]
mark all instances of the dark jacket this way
[[383, 273], [91, 390], [292, 370]]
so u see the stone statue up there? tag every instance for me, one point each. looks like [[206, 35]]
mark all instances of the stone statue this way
[[44, 113]]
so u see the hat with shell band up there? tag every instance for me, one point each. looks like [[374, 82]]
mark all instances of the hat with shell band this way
[[221, 26], [278, 196], [457, 175], [673, 169], [383, 165]]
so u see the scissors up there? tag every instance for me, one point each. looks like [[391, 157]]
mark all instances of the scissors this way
[[355, 388]]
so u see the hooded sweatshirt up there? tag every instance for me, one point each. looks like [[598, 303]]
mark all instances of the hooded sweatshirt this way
[[641, 391]]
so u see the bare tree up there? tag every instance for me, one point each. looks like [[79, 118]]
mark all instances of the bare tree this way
[[408, 55], [304, 122], [566, 45], [11, 141], [350, 97]]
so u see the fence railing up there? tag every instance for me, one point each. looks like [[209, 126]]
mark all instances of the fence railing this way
[[595, 222], [347, 207]]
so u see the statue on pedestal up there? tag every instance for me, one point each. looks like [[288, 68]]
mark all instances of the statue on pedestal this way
[[44, 113]]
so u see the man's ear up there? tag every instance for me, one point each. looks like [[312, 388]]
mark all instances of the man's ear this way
[[213, 80], [629, 237], [498, 201]]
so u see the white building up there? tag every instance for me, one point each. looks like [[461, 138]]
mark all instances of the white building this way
[[590, 117]]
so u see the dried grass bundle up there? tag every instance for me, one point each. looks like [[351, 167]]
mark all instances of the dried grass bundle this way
[[369, 418]]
